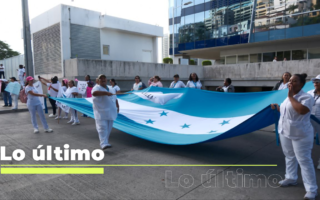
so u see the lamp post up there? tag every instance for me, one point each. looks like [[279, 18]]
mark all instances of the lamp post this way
[[189, 2], [28, 61]]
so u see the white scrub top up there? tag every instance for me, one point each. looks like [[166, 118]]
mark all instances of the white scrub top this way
[[32, 100], [196, 85], [116, 87], [64, 88], [316, 106], [69, 92], [283, 86], [291, 124], [137, 86], [21, 72], [51, 91], [104, 107], [179, 84]]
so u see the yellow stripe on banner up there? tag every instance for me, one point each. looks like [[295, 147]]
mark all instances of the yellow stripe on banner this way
[[52, 170]]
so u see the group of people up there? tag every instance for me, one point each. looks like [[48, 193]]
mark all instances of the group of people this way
[[297, 131], [193, 82]]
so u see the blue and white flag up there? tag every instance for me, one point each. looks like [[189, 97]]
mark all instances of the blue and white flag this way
[[184, 116]]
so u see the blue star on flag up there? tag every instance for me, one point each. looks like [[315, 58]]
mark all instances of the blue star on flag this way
[[224, 122], [185, 126], [212, 131], [163, 114], [149, 121]]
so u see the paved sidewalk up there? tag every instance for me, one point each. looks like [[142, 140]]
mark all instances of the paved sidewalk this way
[[258, 147]]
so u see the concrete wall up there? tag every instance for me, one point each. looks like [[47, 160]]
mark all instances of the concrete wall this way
[[124, 72], [258, 74], [11, 65]]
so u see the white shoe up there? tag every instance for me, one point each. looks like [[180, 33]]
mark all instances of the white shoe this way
[[310, 195], [57, 118], [65, 117], [69, 122], [75, 123], [287, 182], [52, 115], [36, 131], [49, 130]]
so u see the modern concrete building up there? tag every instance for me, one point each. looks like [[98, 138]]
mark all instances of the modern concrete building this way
[[247, 31], [67, 32]]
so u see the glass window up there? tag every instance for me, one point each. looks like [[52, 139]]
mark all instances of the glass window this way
[[106, 49], [222, 60], [299, 54], [231, 59], [187, 3], [209, 23], [196, 2], [177, 12], [314, 53], [199, 26], [283, 55], [254, 58], [242, 59], [268, 57]]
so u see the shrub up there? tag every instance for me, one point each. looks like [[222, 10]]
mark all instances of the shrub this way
[[167, 60], [192, 62], [206, 62]]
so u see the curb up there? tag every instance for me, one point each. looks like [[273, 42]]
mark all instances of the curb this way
[[16, 111]]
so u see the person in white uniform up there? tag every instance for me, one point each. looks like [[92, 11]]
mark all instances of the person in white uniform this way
[[105, 109], [283, 84], [114, 85], [176, 83], [296, 135], [138, 85], [2, 71], [34, 105], [53, 89], [14, 97], [21, 72], [194, 82], [227, 87], [64, 87], [316, 106], [72, 92]]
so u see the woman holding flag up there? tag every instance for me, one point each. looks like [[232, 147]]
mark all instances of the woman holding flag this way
[[62, 90], [34, 105], [53, 88], [194, 82], [72, 92], [316, 107], [296, 136]]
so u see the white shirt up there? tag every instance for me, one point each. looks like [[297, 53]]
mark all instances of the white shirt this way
[[116, 88], [21, 72], [137, 86], [2, 70], [316, 107], [32, 100], [69, 92], [64, 88], [104, 107], [179, 84], [51, 91], [291, 124], [283, 86], [192, 84], [274, 60]]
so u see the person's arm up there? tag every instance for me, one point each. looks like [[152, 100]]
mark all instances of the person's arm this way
[[297, 106], [101, 93], [182, 85], [149, 82], [118, 107], [35, 94]]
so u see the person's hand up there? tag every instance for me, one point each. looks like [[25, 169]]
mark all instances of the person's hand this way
[[109, 94], [290, 92], [275, 106], [44, 95]]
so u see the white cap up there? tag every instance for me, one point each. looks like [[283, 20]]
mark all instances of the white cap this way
[[316, 78]]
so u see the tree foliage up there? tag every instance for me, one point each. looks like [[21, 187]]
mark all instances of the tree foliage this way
[[6, 51]]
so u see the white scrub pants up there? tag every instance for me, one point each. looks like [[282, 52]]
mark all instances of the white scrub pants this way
[[74, 115], [299, 152], [21, 79], [316, 128], [15, 100], [104, 128], [37, 109]]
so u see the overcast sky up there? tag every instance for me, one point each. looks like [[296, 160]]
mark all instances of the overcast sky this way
[[148, 11]]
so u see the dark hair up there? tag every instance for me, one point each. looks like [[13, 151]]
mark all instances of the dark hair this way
[[302, 78], [113, 81], [157, 77], [190, 77], [14, 78], [54, 79], [138, 78], [284, 74], [20, 66], [229, 80], [176, 76], [72, 81], [89, 77], [63, 83]]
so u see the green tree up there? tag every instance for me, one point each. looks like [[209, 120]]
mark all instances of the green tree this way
[[6, 51]]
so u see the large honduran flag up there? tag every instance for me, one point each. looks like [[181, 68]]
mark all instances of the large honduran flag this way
[[189, 116]]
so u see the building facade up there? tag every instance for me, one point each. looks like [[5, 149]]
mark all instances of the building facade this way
[[67, 32], [245, 31]]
